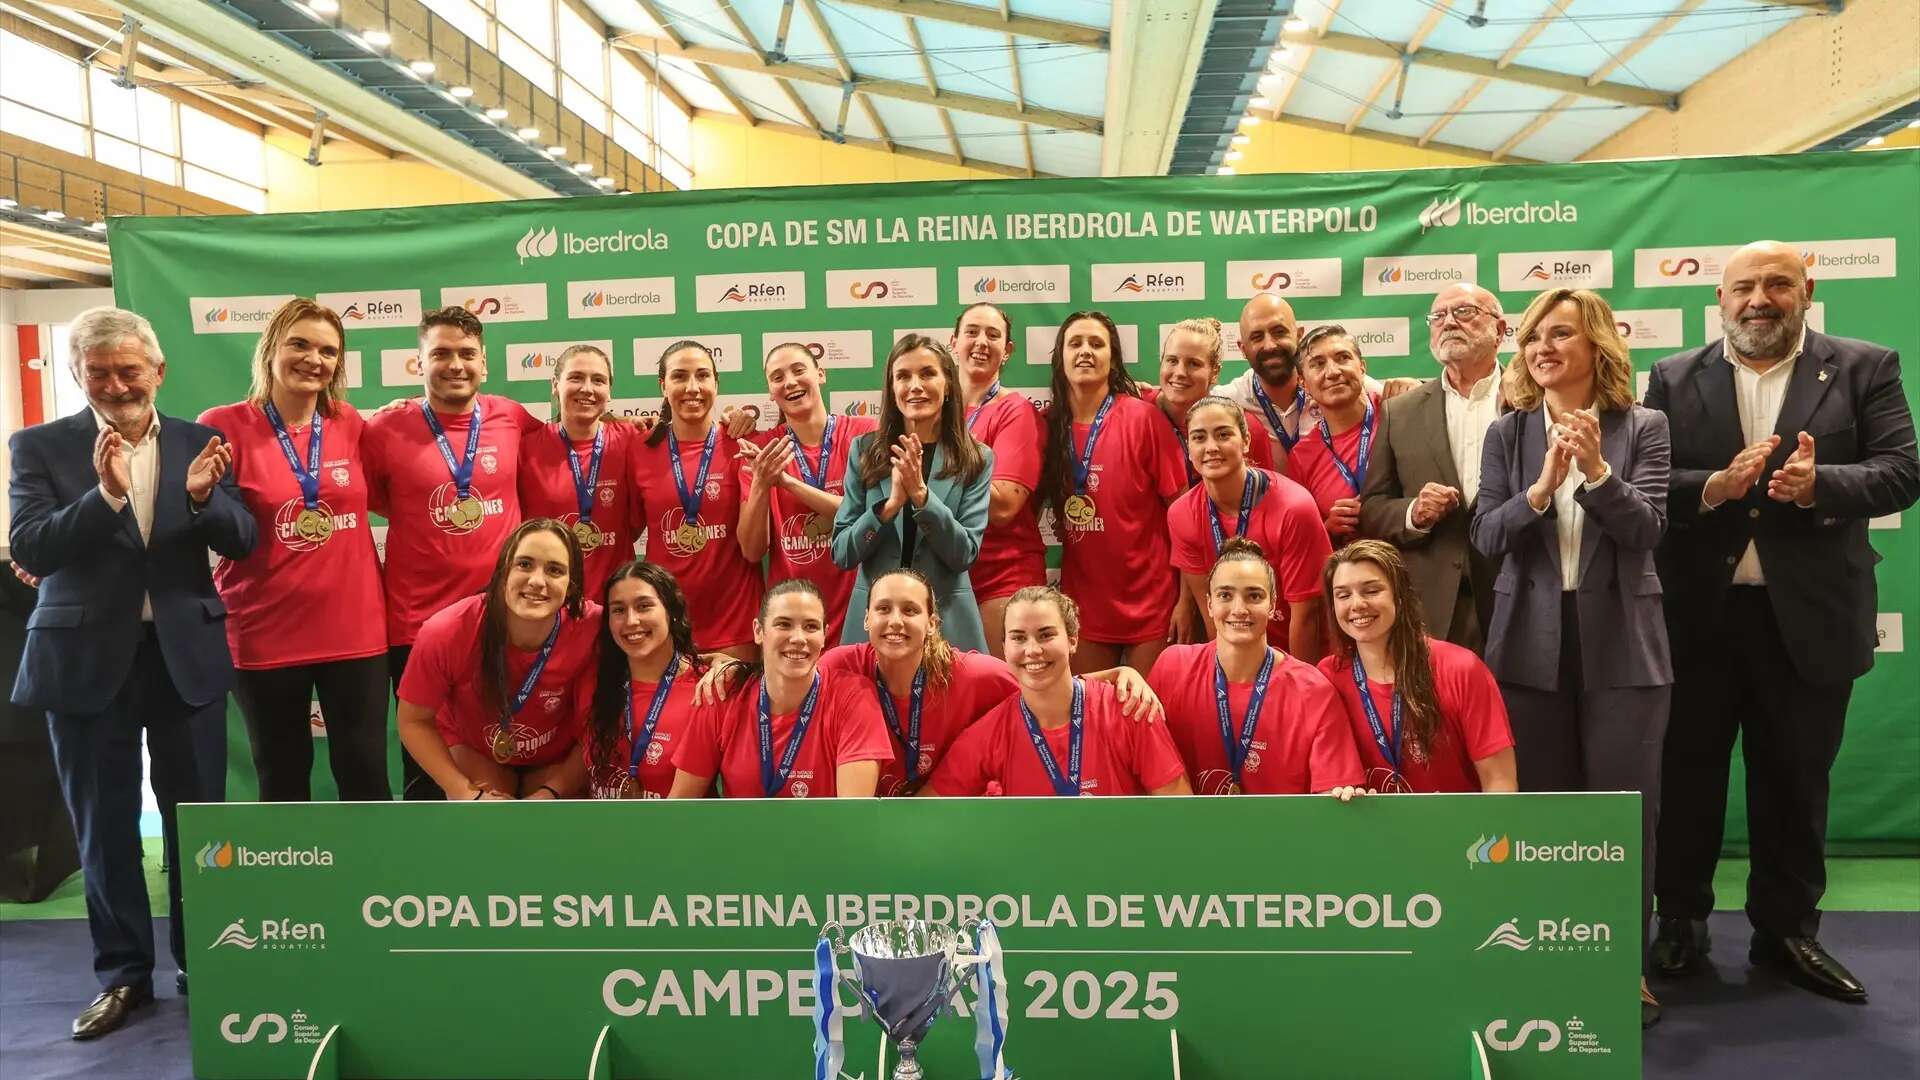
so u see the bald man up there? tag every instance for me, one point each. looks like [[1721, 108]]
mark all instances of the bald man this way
[[1785, 441], [1421, 500], [1270, 387]]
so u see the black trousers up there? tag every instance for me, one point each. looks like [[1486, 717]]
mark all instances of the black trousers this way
[[1579, 738], [98, 759], [1789, 730], [416, 785], [353, 698]]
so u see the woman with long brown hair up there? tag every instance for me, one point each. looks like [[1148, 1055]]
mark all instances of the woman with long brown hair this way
[[305, 610], [1112, 468], [576, 471], [643, 690], [493, 702], [1425, 714], [917, 491]]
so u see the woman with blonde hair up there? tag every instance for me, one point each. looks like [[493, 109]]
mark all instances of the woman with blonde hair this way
[[305, 610], [576, 471], [1573, 497], [1189, 371]]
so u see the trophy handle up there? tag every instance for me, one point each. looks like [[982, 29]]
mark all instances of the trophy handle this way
[[832, 931]]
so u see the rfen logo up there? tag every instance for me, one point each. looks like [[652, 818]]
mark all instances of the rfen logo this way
[[233, 314], [906, 286], [1015, 284], [365, 310], [499, 303], [1523, 270], [1287, 277], [833, 348], [617, 297], [647, 350], [782, 291], [535, 361], [1149, 281], [1415, 275]]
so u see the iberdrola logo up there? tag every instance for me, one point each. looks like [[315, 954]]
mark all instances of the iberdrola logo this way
[[218, 315], [538, 243], [1442, 212], [217, 855], [1489, 851]]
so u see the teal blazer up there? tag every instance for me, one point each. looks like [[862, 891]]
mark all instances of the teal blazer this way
[[950, 527]]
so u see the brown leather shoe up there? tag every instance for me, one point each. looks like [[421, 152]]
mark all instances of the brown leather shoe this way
[[110, 1010]]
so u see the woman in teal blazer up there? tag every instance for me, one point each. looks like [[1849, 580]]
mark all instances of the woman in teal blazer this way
[[917, 492]]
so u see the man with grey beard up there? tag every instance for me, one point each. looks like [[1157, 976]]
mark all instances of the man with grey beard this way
[[1785, 442]]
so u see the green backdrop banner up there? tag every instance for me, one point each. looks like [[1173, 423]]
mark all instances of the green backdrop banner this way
[[1277, 936], [846, 269]]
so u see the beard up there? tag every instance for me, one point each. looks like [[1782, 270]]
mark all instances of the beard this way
[[1760, 341], [1275, 364]]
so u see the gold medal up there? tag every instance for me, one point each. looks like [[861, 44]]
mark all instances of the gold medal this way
[[588, 535], [1232, 788], [629, 788], [691, 537], [1079, 510], [313, 525], [818, 528], [503, 748], [466, 514]]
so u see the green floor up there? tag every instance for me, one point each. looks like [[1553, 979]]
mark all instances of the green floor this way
[[1854, 884]]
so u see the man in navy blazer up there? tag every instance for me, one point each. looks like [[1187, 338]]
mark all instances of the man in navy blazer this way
[[1785, 441], [114, 509]]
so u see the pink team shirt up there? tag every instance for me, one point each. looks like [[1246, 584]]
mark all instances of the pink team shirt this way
[[1012, 556], [1284, 523], [431, 560], [1473, 722], [723, 588], [443, 674], [1312, 467], [546, 490], [1115, 566], [799, 541], [1118, 756], [978, 683], [1301, 742], [292, 601], [1259, 440], [724, 739], [656, 761]]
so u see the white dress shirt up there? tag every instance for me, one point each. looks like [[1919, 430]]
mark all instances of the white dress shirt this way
[[1569, 516], [1469, 416], [1758, 396], [143, 460]]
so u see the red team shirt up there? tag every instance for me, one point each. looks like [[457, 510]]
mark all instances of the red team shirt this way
[[1473, 721], [1312, 467], [978, 683], [443, 675], [1259, 440], [724, 739], [1302, 743], [656, 761], [1116, 566], [1284, 523], [722, 587], [546, 490], [799, 541], [1118, 756], [431, 562], [292, 601], [1012, 556]]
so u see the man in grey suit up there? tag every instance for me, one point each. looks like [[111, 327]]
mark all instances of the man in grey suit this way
[[1785, 442], [1425, 472]]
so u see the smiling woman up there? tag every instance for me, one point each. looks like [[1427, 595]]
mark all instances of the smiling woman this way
[[578, 471]]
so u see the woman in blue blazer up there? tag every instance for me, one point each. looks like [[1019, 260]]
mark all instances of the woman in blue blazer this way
[[917, 491], [1573, 495]]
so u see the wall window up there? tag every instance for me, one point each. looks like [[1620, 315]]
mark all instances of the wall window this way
[[467, 17], [524, 59], [38, 77]]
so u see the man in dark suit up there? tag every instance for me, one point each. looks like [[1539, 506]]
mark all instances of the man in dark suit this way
[[1425, 473], [114, 509], [1785, 441]]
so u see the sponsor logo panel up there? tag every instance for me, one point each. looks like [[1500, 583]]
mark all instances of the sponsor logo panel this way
[[1830, 259], [1376, 337], [1015, 284], [908, 286], [366, 308], [1816, 320], [1656, 268], [1562, 935], [500, 303], [616, 297], [1039, 344], [1288, 277], [275, 935], [1640, 328], [1229, 346], [1889, 521], [233, 314], [356, 376], [647, 350], [1451, 208], [545, 241], [401, 367], [1890, 631], [833, 348], [1501, 848], [1149, 281], [1415, 275], [1529, 270], [780, 291], [271, 1027], [534, 361], [1544, 1036]]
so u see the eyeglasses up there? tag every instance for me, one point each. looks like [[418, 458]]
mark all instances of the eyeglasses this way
[[1461, 313]]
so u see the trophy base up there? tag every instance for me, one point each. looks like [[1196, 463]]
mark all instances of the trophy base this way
[[908, 1067]]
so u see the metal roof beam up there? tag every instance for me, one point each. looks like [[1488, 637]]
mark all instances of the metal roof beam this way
[[1473, 152], [1619, 60], [1027, 26], [1399, 69], [705, 71], [977, 164], [1482, 68]]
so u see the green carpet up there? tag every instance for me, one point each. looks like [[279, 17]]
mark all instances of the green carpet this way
[[1852, 885]]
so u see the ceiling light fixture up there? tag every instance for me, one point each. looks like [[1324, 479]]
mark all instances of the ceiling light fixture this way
[[1225, 170], [603, 181], [528, 132], [1297, 25], [461, 92], [583, 167], [54, 215], [1242, 139], [1877, 140], [1234, 155], [557, 150], [325, 7], [1260, 101], [421, 67], [378, 39], [1249, 120], [496, 113]]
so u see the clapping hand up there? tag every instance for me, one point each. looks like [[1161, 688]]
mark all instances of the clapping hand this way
[[1744, 471], [1580, 430], [113, 463], [1793, 482], [909, 483], [769, 463], [1553, 473], [207, 468]]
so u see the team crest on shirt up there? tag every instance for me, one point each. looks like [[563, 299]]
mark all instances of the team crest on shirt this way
[[606, 494], [799, 789], [805, 537], [298, 530], [1415, 752], [713, 487], [550, 700], [1253, 756], [925, 764], [341, 476], [655, 751], [1093, 478], [489, 463]]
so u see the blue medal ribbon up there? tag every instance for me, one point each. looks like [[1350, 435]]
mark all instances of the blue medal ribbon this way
[[1389, 745], [773, 778], [911, 737], [1068, 784], [309, 475], [1358, 474], [645, 737], [1287, 442], [525, 691], [1180, 440], [691, 502], [1237, 748], [584, 486], [1083, 465], [992, 392], [1250, 495], [463, 469], [814, 478]]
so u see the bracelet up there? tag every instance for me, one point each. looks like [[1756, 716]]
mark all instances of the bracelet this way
[[549, 789], [478, 793]]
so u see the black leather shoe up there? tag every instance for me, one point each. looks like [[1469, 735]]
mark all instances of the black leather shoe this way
[[1649, 1007], [1807, 965], [110, 1010], [1680, 947], [180, 983]]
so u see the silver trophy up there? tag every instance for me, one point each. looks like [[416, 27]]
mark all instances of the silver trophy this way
[[907, 971]]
